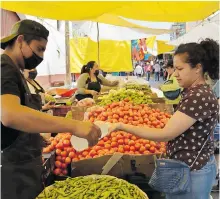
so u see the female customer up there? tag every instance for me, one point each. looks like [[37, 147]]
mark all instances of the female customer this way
[[89, 82], [193, 123]]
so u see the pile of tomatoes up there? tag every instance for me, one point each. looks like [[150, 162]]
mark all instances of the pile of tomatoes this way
[[128, 113]]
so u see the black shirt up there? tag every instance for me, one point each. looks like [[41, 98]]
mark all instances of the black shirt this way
[[11, 83]]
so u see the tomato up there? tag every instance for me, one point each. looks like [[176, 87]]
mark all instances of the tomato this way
[[105, 139], [63, 165], [142, 149], [147, 146], [92, 153], [58, 152], [68, 160], [121, 141], [59, 146], [119, 136], [152, 143], [131, 143], [58, 164], [146, 152], [75, 159], [113, 134], [71, 155], [66, 143], [97, 148], [126, 147], [63, 159], [134, 138], [57, 171], [107, 146], [114, 144], [114, 139], [100, 153], [63, 154], [46, 150], [132, 148], [152, 149], [101, 143], [59, 158], [85, 153], [137, 146], [64, 172], [121, 150]]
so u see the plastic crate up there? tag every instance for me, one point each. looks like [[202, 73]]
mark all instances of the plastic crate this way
[[61, 110]]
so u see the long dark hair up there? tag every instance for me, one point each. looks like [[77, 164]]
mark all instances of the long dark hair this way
[[205, 53], [86, 68]]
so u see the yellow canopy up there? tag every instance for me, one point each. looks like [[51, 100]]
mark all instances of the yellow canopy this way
[[115, 56], [162, 47], [179, 11]]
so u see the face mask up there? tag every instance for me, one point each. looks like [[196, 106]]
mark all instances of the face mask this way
[[32, 74], [96, 72], [33, 61]]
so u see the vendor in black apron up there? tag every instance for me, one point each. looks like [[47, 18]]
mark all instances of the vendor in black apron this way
[[21, 120], [89, 82]]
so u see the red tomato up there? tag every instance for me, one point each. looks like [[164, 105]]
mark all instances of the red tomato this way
[[97, 148], [119, 136], [146, 152], [132, 148], [58, 152], [121, 150], [147, 146], [75, 159], [58, 158], [101, 143], [134, 138], [126, 141], [126, 147], [114, 139], [68, 160], [107, 146], [131, 143], [105, 139], [59, 146], [58, 164], [85, 153], [64, 172], [121, 141], [63, 159], [92, 153], [137, 146], [66, 143], [46, 150], [142, 149], [152, 143], [57, 171], [71, 155], [114, 144], [64, 166], [63, 154]]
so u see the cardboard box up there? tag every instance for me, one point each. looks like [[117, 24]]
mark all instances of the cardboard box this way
[[127, 165]]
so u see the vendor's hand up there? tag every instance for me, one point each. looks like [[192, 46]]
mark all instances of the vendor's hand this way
[[114, 127], [48, 106], [93, 93], [89, 131]]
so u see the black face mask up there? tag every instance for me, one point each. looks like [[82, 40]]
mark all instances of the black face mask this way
[[32, 74], [33, 61], [96, 72]]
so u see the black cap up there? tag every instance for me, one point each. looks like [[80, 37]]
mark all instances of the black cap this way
[[25, 27]]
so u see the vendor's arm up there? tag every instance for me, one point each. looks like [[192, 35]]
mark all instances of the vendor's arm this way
[[81, 85], [106, 82], [22, 118]]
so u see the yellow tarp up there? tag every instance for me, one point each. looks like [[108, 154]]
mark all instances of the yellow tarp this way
[[162, 47], [179, 11], [115, 56]]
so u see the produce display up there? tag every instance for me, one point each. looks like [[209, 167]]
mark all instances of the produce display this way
[[145, 88], [86, 102], [129, 113], [49, 98], [137, 97], [93, 187]]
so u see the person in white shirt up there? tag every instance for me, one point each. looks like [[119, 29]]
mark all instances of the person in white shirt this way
[[157, 71], [138, 71]]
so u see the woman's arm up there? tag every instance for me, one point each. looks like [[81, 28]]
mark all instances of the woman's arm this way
[[173, 129], [106, 82]]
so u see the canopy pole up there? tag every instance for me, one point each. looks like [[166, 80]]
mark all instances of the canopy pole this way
[[97, 23], [68, 81]]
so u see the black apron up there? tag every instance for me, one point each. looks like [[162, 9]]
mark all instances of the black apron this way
[[95, 86], [22, 161]]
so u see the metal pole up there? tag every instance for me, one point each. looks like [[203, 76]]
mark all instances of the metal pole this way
[[68, 80], [98, 43]]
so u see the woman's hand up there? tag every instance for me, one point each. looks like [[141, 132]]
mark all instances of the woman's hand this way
[[48, 106], [93, 93], [114, 127]]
